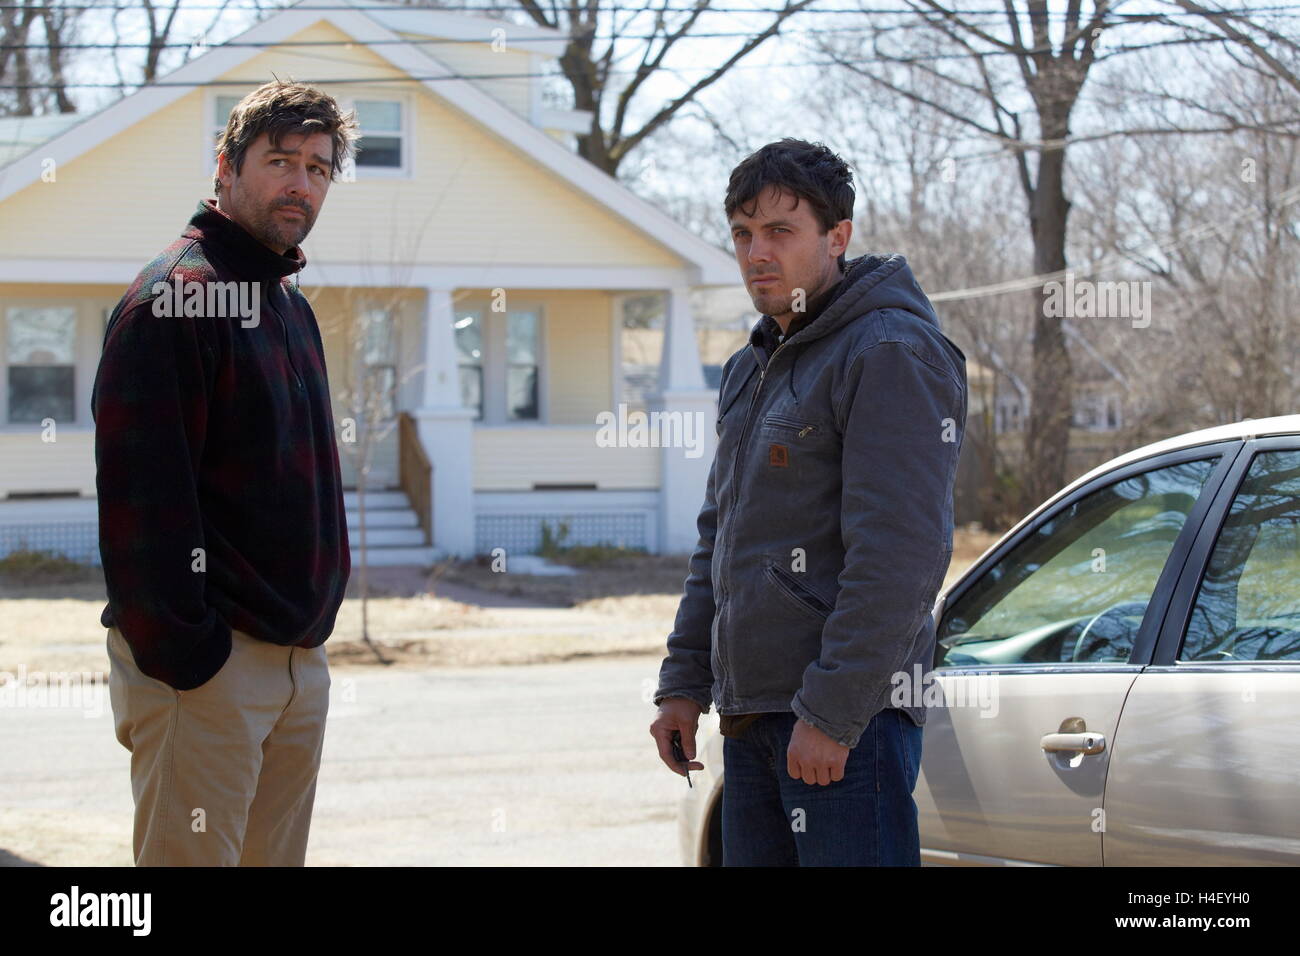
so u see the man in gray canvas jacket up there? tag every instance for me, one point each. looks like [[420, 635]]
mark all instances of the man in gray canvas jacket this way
[[825, 533]]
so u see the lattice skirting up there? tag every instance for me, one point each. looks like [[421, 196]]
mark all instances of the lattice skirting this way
[[74, 540], [522, 533]]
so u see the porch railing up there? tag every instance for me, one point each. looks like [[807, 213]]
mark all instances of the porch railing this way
[[416, 473]]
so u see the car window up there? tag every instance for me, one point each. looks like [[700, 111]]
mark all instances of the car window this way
[[1248, 604], [1075, 589]]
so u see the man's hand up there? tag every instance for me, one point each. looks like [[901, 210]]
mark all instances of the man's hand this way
[[814, 757], [680, 714]]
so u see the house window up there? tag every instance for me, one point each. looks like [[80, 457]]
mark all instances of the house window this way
[[381, 142], [222, 105], [499, 356], [41, 356], [379, 358], [469, 355], [1008, 415], [381, 146], [1097, 413], [521, 368], [640, 347]]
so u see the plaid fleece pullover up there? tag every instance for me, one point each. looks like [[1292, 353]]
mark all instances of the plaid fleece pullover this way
[[220, 500]]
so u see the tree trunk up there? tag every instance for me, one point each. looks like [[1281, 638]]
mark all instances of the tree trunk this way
[[1047, 440]]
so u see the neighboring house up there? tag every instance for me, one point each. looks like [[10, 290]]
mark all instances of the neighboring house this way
[[466, 199], [1099, 391]]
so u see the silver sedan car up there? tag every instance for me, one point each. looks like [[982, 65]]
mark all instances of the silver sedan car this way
[[1117, 679]]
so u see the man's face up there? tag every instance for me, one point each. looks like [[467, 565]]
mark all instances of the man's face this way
[[781, 249], [279, 192]]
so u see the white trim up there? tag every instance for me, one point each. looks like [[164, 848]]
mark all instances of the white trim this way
[[358, 274], [704, 263], [544, 41], [616, 351], [567, 121], [440, 386], [536, 102]]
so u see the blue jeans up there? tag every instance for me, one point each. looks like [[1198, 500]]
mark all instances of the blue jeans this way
[[866, 819]]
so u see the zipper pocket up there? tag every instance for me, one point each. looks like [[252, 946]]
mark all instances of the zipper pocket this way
[[798, 592], [288, 352], [780, 421]]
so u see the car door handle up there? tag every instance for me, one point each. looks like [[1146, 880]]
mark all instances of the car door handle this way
[[1087, 742]]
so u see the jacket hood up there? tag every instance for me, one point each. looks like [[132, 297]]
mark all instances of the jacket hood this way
[[872, 281]]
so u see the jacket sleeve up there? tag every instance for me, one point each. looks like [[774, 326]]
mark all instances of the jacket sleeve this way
[[898, 468], [150, 405], [687, 671]]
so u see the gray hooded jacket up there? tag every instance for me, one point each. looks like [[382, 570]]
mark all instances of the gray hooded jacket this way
[[827, 522]]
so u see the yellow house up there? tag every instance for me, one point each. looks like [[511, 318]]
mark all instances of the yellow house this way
[[468, 276]]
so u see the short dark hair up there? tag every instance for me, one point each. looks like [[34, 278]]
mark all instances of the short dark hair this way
[[807, 170], [280, 108]]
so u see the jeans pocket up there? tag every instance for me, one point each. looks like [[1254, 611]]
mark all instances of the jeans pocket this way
[[909, 742]]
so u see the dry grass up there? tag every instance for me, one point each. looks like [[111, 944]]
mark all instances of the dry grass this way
[[464, 614]]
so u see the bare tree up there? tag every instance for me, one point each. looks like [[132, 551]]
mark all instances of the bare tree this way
[[34, 40], [366, 324], [603, 34], [1014, 85], [59, 22], [370, 399], [15, 65], [1213, 223], [1265, 37], [160, 25]]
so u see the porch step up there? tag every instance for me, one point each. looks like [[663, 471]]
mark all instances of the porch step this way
[[382, 557], [377, 500], [393, 532], [386, 537], [403, 517]]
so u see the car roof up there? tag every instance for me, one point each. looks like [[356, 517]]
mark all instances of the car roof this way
[[1242, 430]]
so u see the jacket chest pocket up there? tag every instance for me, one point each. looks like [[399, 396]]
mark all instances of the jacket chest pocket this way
[[793, 427], [797, 444]]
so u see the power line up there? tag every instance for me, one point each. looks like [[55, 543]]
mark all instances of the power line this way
[[408, 78], [264, 44], [1106, 264], [1056, 16]]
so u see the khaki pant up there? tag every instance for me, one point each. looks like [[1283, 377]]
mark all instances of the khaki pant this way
[[224, 774]]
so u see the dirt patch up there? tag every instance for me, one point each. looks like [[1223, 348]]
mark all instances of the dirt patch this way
[[628, 576], [457, 614]]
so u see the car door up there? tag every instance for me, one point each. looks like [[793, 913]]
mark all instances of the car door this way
[[1206, 767], [1037, 647]]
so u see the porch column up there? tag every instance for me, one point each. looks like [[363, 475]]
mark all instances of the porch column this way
[[446, 430], [682, 391]]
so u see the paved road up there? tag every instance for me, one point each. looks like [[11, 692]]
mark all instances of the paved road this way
[[538, 764]]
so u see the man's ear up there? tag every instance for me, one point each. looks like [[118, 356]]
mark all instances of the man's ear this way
[[223, 171], [847, 226]]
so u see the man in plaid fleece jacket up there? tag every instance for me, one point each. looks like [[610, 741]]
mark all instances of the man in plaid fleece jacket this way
[[222, 526]]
